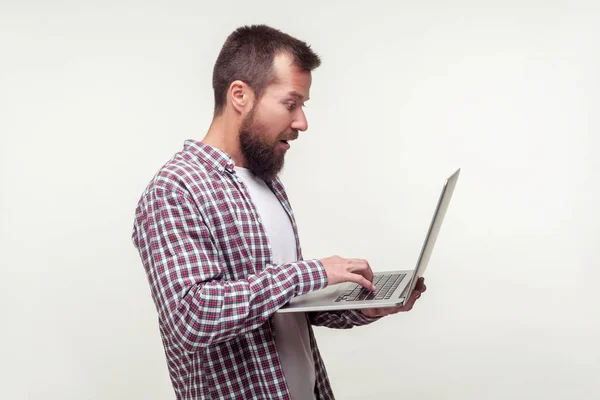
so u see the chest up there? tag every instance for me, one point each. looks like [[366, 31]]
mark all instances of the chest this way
[[247, 230]]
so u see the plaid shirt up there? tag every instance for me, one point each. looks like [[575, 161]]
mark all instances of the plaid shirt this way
[[208, 263]]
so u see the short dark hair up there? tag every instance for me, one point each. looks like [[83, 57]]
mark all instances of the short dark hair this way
[[248, 54]]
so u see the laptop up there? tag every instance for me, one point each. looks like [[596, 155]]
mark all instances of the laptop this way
[[393, 288]]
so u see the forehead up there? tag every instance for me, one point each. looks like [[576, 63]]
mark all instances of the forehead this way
[[290, 80]]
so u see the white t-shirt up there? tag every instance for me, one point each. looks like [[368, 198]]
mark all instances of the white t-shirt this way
[[291, 329]]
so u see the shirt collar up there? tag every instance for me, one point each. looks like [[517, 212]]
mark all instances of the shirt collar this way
[[216, 158]]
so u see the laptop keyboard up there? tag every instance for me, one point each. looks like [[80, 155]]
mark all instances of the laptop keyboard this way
[[385, 286]]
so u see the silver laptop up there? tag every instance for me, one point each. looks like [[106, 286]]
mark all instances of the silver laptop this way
[[393, 288]]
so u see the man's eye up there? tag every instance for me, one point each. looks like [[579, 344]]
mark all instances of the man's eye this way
[[291, 106]]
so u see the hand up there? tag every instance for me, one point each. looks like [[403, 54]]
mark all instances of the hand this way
[[382, 312], [355, 270]]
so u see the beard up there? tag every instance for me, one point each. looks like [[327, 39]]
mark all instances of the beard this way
[[262, 157]]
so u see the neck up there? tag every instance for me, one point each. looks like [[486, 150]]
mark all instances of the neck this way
[[223, 134]]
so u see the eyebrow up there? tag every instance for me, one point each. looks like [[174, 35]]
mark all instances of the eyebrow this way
[[297, 95]]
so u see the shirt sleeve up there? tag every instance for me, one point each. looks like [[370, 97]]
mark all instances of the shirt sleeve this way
[[345, 319], [184, 268]]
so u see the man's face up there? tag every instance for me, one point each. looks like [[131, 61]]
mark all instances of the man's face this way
[[275, 120]]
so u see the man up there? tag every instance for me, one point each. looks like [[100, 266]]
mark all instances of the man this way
[[219, 243]]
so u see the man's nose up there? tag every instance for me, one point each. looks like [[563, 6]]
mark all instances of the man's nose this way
[[300, 123]]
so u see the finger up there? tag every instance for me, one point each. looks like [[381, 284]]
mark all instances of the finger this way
[[362, 267], [379, 312], [413, 298], [396, 310], [393, 310], [407, 307], [411, 301], [361, 280], [369, 312], [420, 288]]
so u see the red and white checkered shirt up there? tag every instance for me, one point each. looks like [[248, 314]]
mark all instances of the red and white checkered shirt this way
[[208, 262]]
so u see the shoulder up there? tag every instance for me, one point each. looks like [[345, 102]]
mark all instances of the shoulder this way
[[183, 175]]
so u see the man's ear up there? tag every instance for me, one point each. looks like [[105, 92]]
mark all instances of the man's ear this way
[[241, 96]]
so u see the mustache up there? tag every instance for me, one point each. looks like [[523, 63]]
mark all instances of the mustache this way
[[292, 136]]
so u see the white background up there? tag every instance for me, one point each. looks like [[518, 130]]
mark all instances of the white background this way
[[95, 96]]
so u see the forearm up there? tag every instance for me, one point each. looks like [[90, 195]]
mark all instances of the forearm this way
[[217, 311]]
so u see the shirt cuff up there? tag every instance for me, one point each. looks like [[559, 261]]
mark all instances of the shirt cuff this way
[[311, 276]]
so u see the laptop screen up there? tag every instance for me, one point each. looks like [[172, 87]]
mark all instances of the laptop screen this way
[[434, 229]]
